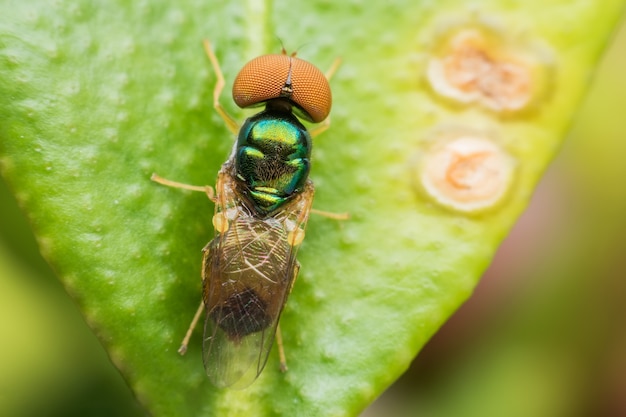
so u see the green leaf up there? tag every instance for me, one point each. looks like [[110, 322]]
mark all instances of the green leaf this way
[[96, 98]]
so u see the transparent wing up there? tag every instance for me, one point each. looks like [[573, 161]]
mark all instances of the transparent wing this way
[[248, 273]]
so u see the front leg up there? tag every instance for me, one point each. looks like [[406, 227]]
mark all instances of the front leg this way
[[279, 336], [207, 189]]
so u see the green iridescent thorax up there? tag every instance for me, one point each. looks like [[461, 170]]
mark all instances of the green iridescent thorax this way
[[272, 158]]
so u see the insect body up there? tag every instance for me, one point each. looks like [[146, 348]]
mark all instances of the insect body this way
[[262, 201]]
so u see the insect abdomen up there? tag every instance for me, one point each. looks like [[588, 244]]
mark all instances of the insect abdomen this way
[[249, 270]]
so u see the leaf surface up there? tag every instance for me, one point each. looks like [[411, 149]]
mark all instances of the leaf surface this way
[[94, 98]]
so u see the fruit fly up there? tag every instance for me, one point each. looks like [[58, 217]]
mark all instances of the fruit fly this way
[[262, 202]]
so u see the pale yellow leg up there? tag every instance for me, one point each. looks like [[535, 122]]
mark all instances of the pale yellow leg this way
[[331, 215], [231, 123], [320, 128], [333, 68], [279, 335], [317, 130], [281, 350], [183, 346], [207, 189]]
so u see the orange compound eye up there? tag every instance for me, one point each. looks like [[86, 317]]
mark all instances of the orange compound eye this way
[[281, 76]]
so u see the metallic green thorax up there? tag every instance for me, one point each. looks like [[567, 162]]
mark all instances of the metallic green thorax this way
[[272, 158]]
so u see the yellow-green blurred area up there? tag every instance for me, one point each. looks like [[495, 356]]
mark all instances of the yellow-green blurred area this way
[[50, 363], [543, 335]]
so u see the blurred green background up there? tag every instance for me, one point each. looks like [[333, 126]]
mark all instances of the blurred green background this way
[[543, 335]]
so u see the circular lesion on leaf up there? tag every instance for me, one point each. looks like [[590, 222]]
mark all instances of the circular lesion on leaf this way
[[475, 65], [465, 171]]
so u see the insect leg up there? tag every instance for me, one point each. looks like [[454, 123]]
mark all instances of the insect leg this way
[[326, 123], [333, 68], [202, 188], [232, 125], [194, 322], [281, 350], [279, 336], [331, 215], [320, 127]]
